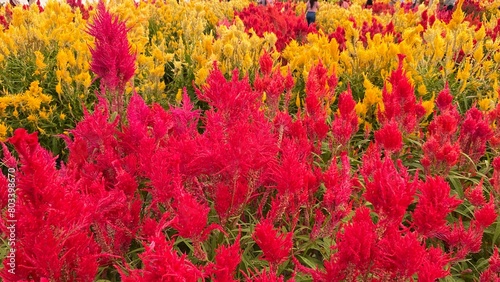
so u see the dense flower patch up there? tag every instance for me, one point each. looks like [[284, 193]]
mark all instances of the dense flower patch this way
[[281, 156]]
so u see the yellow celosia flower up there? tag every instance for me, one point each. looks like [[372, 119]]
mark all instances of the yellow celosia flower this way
[[373, 95], [480, 34], [3, 132], [178, 96], [486, 104], [464, 73], [59, 88], [478, 53], [40, 65], [228, 50], [62, 59], [44, 115], [422, 89], [33, 103], [457, 17], [429, 106], [361, 109], [32, 118], [201, 75]]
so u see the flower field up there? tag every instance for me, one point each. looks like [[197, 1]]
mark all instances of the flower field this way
[[225, 141]]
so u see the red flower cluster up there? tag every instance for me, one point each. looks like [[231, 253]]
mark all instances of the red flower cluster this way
[[279, 18], [441, 150]]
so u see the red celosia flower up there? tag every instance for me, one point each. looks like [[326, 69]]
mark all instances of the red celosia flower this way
[[400, 104], [320, 88], [227, 260], [390, 191], [441, 150], [464, 241], [401, 254], [433, 206], [495, 180], [345, 124], [52, 238], [475, 195], [319, 220], [266, 63], [112, 60], [338, 188], [492, 273], [220, 93], [162, 263], [474, 134], [439, 157], [191, 217], [433, 266], [356, 247], [273, 84], [356, 251], [275, 247], [106, 178], [445, 125], [370, 29], [444, 99], [339, 36], [294, 176], [237, 151], [389, 137], [25, 143], [371, 161], [486, 215]]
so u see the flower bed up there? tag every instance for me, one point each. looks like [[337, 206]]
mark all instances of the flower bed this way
[[143, 145]]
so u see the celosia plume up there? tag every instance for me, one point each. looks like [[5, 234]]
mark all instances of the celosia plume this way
[[486, 215], [389, 137], [390, 190], [474, 134], [433, 206], [276, 247], [345, 124], [400, 104], [112, 60], [475, 195], [320, 88], [161, 262], [492, 273], [227, 260], [441, 150]]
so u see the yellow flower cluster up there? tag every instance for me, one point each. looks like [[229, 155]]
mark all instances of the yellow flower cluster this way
[[232, 49], [32, 106], [43, 52]]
